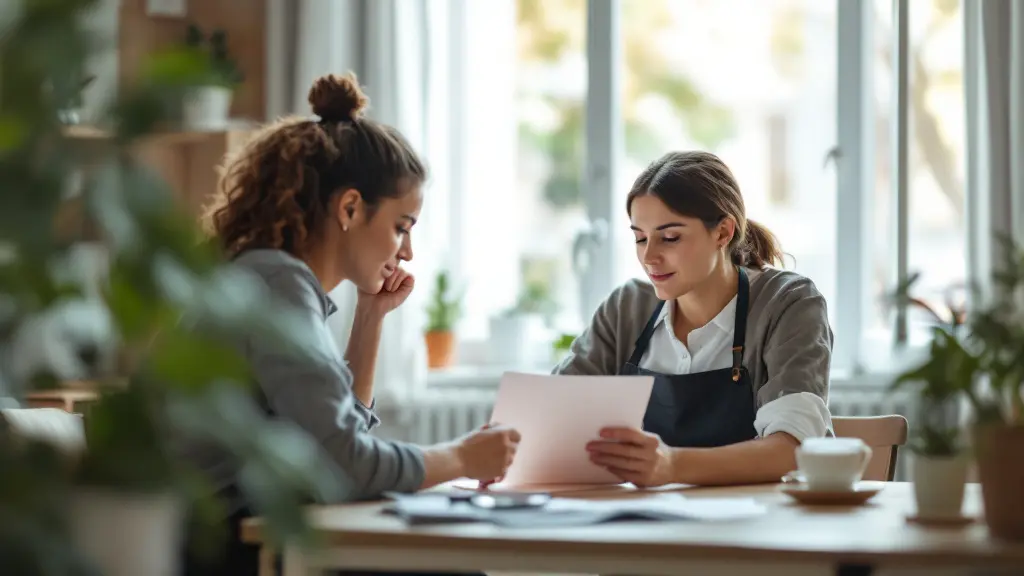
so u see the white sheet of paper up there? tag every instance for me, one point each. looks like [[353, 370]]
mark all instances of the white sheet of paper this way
[[558, 415]]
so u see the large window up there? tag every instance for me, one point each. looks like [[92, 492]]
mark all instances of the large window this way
[[759, 91], [935, 156], [843, 121], [523, 145]]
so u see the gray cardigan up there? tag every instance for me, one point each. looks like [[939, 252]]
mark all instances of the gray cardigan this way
[[788, 345], [317, 396]]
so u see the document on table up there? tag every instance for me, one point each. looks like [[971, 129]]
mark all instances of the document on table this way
[[558, 415], [428, 508]]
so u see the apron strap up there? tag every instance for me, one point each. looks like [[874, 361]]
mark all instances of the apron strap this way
[[740, 330], [645, 336]]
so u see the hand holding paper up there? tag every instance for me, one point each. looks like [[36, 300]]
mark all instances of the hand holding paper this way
[[633, 456], [559, 415], [487, 453]]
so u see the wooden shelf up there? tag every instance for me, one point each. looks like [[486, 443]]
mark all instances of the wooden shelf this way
[[188, 160]]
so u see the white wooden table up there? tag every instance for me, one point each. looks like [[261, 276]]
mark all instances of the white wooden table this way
[[790, 539]]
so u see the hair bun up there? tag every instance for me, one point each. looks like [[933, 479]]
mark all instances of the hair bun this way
[[337, 98]]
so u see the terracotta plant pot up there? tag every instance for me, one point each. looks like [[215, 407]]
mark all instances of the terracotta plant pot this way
[[440, 348], [1000, 453]]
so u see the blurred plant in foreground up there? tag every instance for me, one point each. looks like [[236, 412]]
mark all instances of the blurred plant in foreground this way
[[169, 297]]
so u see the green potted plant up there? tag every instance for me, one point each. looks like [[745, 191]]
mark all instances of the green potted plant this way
[[118, 507], [443, 312], [70, 93], [940, 461], [514, 333], [997, 400], [208, 105], [980, 356]]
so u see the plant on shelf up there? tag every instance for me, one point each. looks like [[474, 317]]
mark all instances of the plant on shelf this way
[[443, 312], [534, 299], [222, 68], [209, 104], [170, 301]]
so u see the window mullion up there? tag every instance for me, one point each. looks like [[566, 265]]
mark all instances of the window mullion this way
[[901, 147], [855, 168], [603, 144]]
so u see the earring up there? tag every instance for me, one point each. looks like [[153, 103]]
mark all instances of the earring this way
[[344, 227]]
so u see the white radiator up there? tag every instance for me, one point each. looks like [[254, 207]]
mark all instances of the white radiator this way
[[444, 414]]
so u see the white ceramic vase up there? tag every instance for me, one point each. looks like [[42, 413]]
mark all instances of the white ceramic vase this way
[[516, 339], [128, 534], [208, 108], [939, 485]]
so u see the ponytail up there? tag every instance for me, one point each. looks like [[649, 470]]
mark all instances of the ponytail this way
[[758, 248]]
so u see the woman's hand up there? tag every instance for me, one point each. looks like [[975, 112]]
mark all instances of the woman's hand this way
[[487, 453], [633, 455], [393, 293]]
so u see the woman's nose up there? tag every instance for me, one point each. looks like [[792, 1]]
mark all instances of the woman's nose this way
[[405, 252], [649, 255]]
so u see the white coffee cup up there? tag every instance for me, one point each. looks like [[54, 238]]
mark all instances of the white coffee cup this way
[[832, 463]]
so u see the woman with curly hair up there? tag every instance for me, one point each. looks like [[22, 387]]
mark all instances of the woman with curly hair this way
[[306, 205]]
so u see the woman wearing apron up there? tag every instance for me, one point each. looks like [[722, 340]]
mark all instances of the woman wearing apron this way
[[739, 350], [306, 205]]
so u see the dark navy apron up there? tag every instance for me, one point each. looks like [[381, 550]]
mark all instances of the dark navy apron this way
[[705, 409]]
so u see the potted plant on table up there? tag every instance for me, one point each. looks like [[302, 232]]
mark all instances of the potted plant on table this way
[[940, 462], [119, 507], [442, 314], [997, 400], [985, 365], [208, 105]]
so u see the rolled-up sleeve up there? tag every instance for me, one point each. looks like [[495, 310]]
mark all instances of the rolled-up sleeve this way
[[368, 413], [797, 356], [317, 396]]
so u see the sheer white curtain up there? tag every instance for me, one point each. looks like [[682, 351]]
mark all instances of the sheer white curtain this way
[[994, 34], [384, 42]]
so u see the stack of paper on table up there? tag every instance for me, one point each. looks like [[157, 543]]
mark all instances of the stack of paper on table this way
[[439, 508]]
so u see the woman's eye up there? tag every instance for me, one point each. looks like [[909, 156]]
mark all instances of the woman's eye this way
[[402, 230], [641, 240], [671, 239]]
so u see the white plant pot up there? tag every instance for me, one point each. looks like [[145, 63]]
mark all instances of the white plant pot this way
[[128, 534], [208, 108], [939, 486], [518, 341]]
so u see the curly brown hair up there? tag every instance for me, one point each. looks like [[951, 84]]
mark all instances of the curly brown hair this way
[[275, 191]]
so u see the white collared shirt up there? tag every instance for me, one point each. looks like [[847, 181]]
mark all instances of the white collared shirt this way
[[802, 415]]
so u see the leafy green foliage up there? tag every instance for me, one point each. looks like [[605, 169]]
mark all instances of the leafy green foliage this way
[[563, 343], [949, 370], [171, 298], [223, 70], [979, 356], [535, 298], [445, 307]]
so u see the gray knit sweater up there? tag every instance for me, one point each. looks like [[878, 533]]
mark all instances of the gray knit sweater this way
[[315, 395]]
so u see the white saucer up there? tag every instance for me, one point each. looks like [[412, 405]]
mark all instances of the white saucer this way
[[861, 493]]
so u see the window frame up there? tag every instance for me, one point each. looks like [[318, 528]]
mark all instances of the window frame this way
[[856, 360]]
